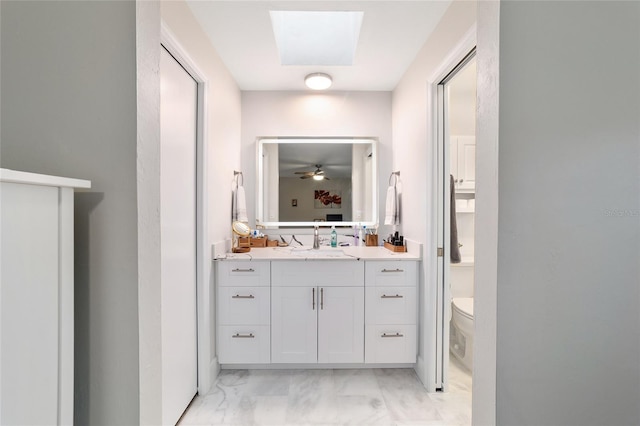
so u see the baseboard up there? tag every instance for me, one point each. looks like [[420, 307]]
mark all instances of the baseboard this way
[[214, 368], [310, 366], [422, 373]]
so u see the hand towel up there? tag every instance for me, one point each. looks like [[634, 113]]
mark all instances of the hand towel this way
[[453, 241], [392, 208], [239, 205]]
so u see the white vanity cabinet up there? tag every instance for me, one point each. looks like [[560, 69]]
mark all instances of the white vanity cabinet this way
[[391, 299], [244, 307], [320, 311], [317, 312]]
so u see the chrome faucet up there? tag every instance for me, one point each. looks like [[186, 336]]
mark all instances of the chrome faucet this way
[[316, 242]]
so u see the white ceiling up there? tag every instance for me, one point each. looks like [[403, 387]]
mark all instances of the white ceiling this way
[[392, 34]]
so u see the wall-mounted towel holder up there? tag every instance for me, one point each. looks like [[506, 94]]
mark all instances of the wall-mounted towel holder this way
[[396, 174], [238, 178]]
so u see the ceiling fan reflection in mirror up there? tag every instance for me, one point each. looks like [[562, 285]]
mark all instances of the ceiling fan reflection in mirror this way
[[317, 174]]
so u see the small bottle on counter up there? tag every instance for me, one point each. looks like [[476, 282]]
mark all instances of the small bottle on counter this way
[[334, 236]]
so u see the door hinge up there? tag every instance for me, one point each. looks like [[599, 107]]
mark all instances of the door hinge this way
[[440, 252]]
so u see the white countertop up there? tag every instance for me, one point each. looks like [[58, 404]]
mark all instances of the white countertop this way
[[324, 253]]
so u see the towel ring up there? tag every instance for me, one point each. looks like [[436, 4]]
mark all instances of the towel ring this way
[[396, 174], [239, 178]]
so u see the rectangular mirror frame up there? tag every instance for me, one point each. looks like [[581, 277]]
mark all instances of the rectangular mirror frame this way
[[260, 213]]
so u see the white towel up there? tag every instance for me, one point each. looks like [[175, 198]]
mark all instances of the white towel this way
[[239, 205], [392, 209]]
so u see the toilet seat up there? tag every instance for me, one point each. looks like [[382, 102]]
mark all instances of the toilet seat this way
[[464, 306]]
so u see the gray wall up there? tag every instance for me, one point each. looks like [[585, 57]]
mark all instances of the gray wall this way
[[569, 218], [69, 108]]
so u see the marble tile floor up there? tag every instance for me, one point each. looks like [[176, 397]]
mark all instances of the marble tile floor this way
[[385, 397]]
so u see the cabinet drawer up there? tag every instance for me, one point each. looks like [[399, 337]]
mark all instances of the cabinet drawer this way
[[391, 273], [243, 273], [243, 305], [391, 305], [244, 344], [390, 344], [327, 273]]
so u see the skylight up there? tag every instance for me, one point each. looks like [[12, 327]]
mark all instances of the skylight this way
[[316, 38]]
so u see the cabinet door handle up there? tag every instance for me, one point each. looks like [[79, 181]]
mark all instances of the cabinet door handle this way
[[243, 270], [397, 296], [393, 270], [322, 298], [392, 335], [237, 296], [313, 299], [243, 336], [461, 180]]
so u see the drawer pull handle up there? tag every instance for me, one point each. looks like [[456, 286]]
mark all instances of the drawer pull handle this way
[[393, 270], [397, 296], [243, 270], [243, 336], [237, 296], [392, 335]]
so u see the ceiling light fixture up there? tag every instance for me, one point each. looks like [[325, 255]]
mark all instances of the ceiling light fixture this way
[[318, 81], [318, 177]]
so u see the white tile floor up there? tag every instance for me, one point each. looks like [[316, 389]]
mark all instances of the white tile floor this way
[[331, 397]]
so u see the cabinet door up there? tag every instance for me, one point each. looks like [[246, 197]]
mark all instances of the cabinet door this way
[[341, 325], [294, 324], [391, 305], [388, 273], [327, 273], [467, 162], [243, 305]]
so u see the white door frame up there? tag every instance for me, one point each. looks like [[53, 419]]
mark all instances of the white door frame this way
[[203, 263], [437, 379]]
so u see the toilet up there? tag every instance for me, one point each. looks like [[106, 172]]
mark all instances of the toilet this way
[[461, 333]]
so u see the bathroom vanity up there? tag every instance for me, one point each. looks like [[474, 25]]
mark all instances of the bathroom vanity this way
[[299, 306]]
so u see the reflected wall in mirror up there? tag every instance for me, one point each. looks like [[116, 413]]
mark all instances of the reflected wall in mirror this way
[[310, 181]]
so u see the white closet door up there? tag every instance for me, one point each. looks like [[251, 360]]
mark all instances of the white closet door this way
[[178, 91]]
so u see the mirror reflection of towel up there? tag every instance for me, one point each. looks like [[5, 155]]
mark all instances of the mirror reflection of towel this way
[[455, 249]]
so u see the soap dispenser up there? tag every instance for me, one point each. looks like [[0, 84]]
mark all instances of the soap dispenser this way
[[334, 236]]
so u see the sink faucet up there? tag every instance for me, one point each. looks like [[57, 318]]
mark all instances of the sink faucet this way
[[316, 243]]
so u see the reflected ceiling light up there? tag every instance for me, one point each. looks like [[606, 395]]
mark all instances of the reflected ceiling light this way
[[318, 177], [318, 81]]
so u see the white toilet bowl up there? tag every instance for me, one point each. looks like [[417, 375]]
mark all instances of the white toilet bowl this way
[[461, 335]]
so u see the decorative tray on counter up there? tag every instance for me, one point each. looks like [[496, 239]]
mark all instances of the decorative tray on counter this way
[[396, 249]]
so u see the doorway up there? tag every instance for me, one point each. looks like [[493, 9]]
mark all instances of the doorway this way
[[456, 123]]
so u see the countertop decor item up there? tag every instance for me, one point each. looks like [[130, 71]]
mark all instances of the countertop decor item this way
[[241, 245], [395, 249]]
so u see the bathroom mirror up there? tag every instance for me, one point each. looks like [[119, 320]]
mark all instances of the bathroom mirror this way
[[316, 181]]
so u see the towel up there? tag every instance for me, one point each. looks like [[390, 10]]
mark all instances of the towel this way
[[392, 209], [239, 205], [455, 248]]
